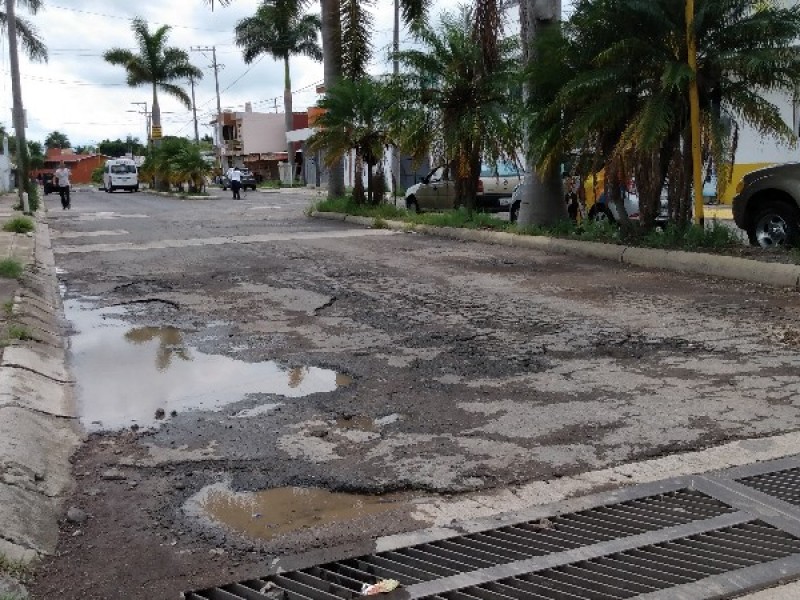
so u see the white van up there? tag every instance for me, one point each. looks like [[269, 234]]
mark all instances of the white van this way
[[120, 174]]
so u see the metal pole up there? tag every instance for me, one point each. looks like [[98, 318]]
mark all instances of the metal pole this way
[[18, 111], [694, 116], [194, 114]]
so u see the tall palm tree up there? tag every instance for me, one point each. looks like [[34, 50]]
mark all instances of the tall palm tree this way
[[354, 119], [413, 12], [26, 33], [457, 104], [156, 65], [280, 30]]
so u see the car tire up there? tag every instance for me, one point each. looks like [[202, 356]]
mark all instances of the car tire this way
[[775, 224], [601, 214], [513, 212], [411, 204]]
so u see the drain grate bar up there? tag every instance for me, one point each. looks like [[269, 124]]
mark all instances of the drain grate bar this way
[[626, 575], [784, 485]]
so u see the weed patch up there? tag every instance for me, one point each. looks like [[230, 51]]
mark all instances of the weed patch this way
[[10, 268], [19, 225]]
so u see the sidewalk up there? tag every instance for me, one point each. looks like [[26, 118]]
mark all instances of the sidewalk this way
[[38, 431]]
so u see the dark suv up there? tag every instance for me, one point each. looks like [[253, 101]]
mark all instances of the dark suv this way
[[248, 180], [767, 205]]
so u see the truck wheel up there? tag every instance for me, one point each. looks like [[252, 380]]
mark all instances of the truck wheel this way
[[776, 224]]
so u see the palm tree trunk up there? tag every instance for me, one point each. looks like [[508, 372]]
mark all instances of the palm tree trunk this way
[[543, 195], [287, 110], [332, 64], [155, 127]]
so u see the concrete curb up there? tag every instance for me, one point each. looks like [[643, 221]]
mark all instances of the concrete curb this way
[[38, 430], [692, 263]]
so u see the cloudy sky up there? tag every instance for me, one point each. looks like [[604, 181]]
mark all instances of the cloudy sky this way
[[78, 93]]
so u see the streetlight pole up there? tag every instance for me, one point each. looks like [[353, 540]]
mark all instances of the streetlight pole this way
[[694, 115]]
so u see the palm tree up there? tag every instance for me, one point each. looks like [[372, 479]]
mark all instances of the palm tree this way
[[354, 119], [56, 139], [156, 65], [26, 32], [279, 29], [413, 12], [456, 103]]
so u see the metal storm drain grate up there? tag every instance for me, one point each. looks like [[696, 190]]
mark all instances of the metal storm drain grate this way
[[508, 544], [695, 538], [784, 485], [645, 569]]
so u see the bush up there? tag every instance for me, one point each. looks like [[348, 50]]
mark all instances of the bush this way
[[10, 268], [19, 225]]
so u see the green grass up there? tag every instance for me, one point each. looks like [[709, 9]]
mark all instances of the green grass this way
[[19, 225], [347, 206], [10, 268], [14, 569], [19, 332], [8, 307], [716, 238]]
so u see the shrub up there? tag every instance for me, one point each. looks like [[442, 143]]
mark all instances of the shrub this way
[[19, 225], [10, 268]]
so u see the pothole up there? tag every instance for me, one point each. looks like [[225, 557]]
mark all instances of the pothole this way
[[139, 375], [266, 514]]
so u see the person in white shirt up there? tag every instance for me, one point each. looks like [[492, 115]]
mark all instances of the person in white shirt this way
[[235, 177], [62, 181]]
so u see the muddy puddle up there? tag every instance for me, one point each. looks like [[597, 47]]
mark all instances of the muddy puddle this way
[[137, 375], [266, 514]]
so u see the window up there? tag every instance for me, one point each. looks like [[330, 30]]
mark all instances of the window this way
[[122, 169]]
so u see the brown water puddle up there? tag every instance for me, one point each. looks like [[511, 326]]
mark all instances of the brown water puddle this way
[[269, 513], [129, 375]]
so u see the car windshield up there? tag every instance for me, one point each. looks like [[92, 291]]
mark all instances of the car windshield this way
[[501, 169], [120, 169]]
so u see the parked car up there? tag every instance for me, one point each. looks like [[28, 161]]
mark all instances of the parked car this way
[[436, 191], [602, 210], [248, 180], [767, 205]]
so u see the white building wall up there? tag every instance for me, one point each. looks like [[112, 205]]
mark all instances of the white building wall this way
[[262, 132]]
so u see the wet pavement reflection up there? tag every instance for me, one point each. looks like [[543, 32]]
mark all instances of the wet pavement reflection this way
[[129, 375]]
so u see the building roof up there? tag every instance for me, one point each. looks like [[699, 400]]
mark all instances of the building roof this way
[[67, 155]]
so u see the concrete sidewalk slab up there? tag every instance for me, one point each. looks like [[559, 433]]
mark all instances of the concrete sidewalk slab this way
[[35, 392], [29, 520], [31, 444], [49, 362]]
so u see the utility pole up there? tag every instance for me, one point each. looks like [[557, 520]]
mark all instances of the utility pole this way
[[216, 66], [18, 110], [194, 113], [146, 120]]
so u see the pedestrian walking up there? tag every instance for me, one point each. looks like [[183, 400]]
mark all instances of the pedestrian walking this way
[[235, 179], [62, 181]]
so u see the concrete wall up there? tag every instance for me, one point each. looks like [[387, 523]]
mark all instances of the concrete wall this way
[[262, 132]]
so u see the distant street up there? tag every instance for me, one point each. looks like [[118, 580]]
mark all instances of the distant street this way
[[228, 346]]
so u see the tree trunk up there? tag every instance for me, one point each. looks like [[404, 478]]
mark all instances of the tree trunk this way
[[542, 194], [287, 110], [358, 179], [332, 64]]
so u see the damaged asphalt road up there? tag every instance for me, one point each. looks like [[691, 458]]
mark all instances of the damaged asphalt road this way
[[291, 352]]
